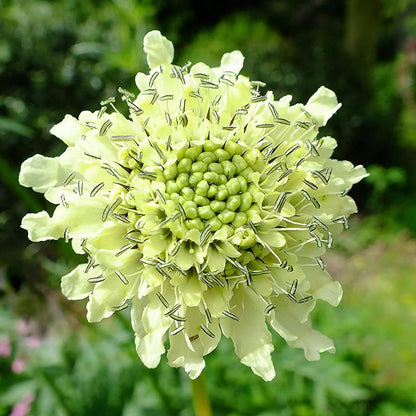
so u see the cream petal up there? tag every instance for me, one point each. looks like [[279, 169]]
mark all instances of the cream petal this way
[[232, 61], [121, 279], [155, 245], [186, 353], [251, 337], [313, 343], [216, 261], [300, 334], [322, 105], [150, 325], [209, 343], [216, 299], [107, 297], [180, 355], [41, 227], [110, 236], [75, 284], [82, 217], [273, 238], [159, 50], [69, 130], [185, 259], [41, 173], [192, 291]]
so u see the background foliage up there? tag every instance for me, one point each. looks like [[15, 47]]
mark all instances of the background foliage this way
[[64, 57]]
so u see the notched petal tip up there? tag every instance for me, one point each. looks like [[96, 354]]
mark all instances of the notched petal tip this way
[[158, 48], [41, 227], [260, 362], [75, 285], [323, 105], [39, 172]]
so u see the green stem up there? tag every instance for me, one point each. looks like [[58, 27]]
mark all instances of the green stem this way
[[200, 397]]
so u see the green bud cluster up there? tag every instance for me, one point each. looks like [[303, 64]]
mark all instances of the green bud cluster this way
[[213, 184]]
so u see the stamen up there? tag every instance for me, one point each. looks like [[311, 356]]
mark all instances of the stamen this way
[[96, 189], [293, 287], [320, 262], [172, 310], [303, 124], [66, 234], [96, 279], [121, 307], [231, 315], [153, 78], [194, 94], [177, 330], [208, 315], [208, 84], [310, 184], [121, 217], [177, 318], [69, 179], [63, 201], [282, 121], [124, 249], [103, 109], [201, 75], [125, 92], [312, 149], [80, 187], [207, 331], [104, 128], [292, 149], [273, 110], [89, 265], [269, 308], [343, 220], [121, 277], [305, 299], [162, 299], [284, 175], [226, 81], [205, 234]]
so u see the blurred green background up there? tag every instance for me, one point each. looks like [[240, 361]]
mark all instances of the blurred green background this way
[[64, 57]]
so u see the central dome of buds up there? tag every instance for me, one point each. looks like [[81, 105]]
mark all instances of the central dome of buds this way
[[209, 184], [207, 210]]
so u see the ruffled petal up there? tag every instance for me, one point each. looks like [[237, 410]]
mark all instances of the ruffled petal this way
[[323, 105], [41, 227], [75, 285], [252, 340], [159, 50], [149, 325], [180, 355], [69, 130], [41, 173]]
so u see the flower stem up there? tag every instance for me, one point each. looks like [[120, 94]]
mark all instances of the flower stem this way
[[200, 397]]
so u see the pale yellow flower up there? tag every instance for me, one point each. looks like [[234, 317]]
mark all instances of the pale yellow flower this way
[[207, 210]]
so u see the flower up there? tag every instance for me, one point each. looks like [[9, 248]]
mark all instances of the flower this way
[[22, 408], [5, 348], [206, 210]]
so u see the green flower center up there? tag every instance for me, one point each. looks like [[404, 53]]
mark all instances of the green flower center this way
[[212, 184]]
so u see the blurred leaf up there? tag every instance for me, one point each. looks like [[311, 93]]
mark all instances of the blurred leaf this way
[[16, 392], [8, 125]]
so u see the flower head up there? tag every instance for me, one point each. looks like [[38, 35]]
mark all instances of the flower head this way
[[207, 210]]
